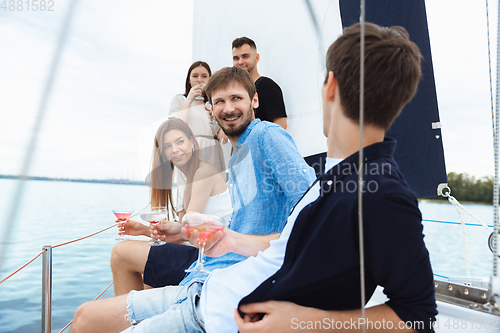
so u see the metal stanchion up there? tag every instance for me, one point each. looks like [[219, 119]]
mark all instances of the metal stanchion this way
[[47, 289]]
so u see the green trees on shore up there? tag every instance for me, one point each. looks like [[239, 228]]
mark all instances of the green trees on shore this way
[[467, 188]]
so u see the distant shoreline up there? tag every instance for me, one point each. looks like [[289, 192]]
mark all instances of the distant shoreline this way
[[98, 181]]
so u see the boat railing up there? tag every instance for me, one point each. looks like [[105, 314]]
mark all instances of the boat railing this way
[[463, 294], [47, 280], [46, 254], [489, 296]]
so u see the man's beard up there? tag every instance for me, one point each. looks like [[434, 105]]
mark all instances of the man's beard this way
[[250, 68], [236, 130]]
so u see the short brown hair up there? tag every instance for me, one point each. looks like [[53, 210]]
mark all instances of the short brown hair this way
[[392, 72], [239, 42], [227, 76]]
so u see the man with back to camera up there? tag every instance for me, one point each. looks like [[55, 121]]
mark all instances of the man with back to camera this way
[[311, 273], [271, 105], [316, 278]]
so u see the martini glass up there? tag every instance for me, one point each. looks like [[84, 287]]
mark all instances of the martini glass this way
[[207, 226], [122, 215], [208, 107], [199, 98], [153, 216]]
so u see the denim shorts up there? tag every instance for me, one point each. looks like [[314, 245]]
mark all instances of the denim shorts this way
[[169, 309]]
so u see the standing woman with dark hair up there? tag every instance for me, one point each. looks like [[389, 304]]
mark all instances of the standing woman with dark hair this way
[[190, 107]]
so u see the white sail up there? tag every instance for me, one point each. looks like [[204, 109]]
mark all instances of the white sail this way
[[292, 38], [291, 52]]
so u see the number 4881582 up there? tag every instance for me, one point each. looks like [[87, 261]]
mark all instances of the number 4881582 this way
[[28, 5]]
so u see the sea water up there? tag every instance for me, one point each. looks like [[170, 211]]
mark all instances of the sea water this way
[[51, 213], [445, 242]]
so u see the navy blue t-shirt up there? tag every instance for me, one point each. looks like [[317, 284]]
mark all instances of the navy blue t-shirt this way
[[321, 268]]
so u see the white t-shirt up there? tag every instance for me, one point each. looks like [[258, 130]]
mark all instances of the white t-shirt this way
[[224, 288]]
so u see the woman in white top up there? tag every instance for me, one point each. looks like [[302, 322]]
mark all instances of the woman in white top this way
[[196, 115], [205, 192]]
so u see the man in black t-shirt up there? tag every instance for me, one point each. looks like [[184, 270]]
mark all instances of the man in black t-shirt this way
[[271, 104]]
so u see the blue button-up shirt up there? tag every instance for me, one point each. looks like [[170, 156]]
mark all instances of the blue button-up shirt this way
[[267, 177]]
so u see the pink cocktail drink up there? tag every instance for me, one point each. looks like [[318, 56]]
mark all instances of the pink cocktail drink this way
[[122, 215], [206, 230], [207, 226], [154, 216]]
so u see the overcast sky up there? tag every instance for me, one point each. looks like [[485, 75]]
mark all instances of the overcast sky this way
[[125, 60]]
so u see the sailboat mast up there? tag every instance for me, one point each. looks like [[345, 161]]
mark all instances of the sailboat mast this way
[[494, 287], [361, 160]]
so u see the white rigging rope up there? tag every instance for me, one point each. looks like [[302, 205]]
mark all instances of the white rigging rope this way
[[458, 205], [464, 233], [11, 216], [489, 71]]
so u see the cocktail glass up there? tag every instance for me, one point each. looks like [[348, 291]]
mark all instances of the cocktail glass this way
[[199, 98], [208, 107], [122, 215], [153, 216], [207, 226]]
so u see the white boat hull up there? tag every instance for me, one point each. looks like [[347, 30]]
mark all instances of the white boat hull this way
[[452, 317]]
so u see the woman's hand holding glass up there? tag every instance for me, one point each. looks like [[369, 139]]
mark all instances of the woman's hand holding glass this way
[[167, 231], [134, 228], [196, 92], [122, 216]]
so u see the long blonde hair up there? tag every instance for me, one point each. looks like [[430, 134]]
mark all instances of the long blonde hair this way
[[162, 170]]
